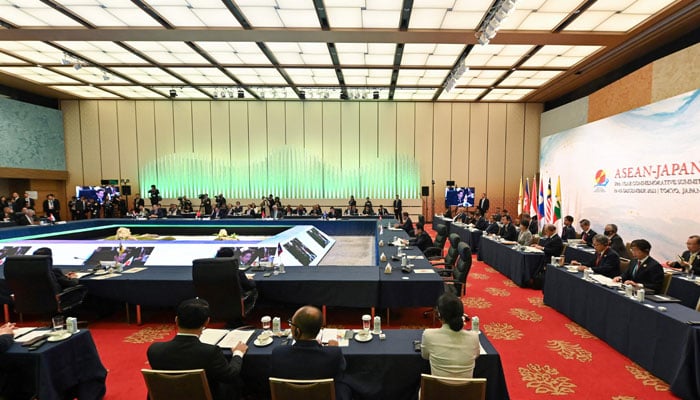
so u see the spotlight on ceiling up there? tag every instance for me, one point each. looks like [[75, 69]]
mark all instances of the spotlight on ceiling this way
[[302, 95], [241, 94], [65, 60], [173, 93], [105, 76], [375, 95], [77, 66]]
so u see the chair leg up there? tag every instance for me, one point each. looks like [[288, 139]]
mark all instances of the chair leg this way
[[128, 316], [138, 314], [323, 308]]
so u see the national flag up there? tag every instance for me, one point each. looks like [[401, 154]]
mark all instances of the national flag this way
[[533, 197], [549, 211], [279, 249], [520, 197], [526, 197], [540, 203], [557, 205]]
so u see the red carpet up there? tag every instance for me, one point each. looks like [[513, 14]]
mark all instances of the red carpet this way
[[544, 354]]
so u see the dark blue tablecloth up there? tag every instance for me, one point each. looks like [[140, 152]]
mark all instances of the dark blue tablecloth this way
[[662, 342], [583, 254], [440, 220], [382, 370], [56, 369], [470, 237], [519, 266]]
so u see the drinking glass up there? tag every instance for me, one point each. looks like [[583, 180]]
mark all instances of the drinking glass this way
[[59, 322], [365, 324], [266, 320]]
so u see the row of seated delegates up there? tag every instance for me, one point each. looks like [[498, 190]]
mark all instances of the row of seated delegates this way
[[690, 259], [406, 225], [17, 203]]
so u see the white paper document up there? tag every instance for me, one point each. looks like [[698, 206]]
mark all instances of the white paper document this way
[[232, 338], [424, 271], [32, 335], [212, 336], [134, 270], [328, 334]]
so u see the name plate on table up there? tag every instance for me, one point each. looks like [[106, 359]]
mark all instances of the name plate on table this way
[[659, 298]]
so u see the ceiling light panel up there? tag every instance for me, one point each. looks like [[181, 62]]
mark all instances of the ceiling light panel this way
[[37, 52], [195, 13], [203, 76], [109, 13], [258, 76], [366, 54], [471, 5], [529, 78], [102, 52], [33, 13], [6, 59], [300, 53], [37, 74], [506, 94], [148, 75], [424, 54], [169, 52], [363, 76], [183, 93], [468, 94], [560, 56], [648, 6], [421, 77], [480, 77], [135, 92], [427, 18], [461, 20], [234, 52], [364, 14], [496, 55], [312, 76], [588, 20], [89, 74], [280, 14], [621, 22], [87, 92], [414, 94]]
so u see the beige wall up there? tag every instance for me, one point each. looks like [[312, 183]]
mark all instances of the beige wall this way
[[489, 146]]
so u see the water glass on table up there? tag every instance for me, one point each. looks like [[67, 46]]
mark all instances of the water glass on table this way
[[59, 323]]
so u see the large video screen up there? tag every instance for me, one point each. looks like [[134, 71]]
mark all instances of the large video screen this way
[[97, 193], [459, 196]]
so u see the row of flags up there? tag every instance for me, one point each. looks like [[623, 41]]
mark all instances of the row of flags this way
[[533, 201]]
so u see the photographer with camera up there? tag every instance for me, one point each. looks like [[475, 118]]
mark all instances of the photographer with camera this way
[[220, 201], [185, 205], [205, 203], [154, 195]]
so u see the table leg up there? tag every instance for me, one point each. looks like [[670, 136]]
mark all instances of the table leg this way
[[6, 310], [128, 314], [323, 307], [138, 314]]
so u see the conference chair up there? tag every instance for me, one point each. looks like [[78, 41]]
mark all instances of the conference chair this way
[[697, 306], [294, 389], [563, 249], [421, 219], [439, 388], [216, 280], [35, 288], [458, 283], [666, 282], [624, 264], [436, 250], [177, 384], [450, 259]]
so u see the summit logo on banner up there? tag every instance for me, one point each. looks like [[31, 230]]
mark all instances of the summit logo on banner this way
[[601, 181]]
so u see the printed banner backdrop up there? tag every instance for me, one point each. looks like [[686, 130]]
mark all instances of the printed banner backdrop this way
[[639, 170]]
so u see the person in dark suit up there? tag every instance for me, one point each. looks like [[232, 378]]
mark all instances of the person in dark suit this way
[[249, 291], [25, 202], [307, 358], [185, 351], [568, 231], [484, 204], [690, 258], [15, 203], [81, 208], [422, 239], [551, 244], [154, 195], [157, 212], [138, 202], [481, 223], [26, 217], [493, 227], [607, 261], [507, 231], [586, 232], [643, 269], [398, 208], [534, 227], [616, 242], [63, 280], [407, 224], [52, 207]]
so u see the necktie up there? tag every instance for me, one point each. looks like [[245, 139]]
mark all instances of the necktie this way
[[597, 260], [584, 236], [692, 258]]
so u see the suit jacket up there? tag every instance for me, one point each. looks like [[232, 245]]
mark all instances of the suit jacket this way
[[533, 228], [492, 228], [56, 207], [6, 341], [686, 256], [187, 352], [568, 232], [650, 274], [422, 241], [508, 232], [307, 359], [609, 264], [524, 238], [481, 223], [408, 226], [587, 237], [553, 246], [23, 219], [397, 205], [618, 245], [484, 205]]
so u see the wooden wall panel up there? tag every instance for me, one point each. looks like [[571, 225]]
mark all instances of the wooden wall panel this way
[[332, 154], [313, 128], [478, 147], [146, 139], [406, 128], [294, 117], [109, 139], [442, 140], [182, 127], [459, 146], [237, 133], [74, 153], [350, 145], [90, 140], [201, 127], [495, 162], [369, 146], [387, 144], [165, 138], [531, 145], [515, 132], [628, 93], [424, 141], [276, 122], [128, 147]]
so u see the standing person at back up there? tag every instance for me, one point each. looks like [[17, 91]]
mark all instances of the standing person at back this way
[[398, 208], [484, 204], [452, 351], [587, 233], [307, 358], [185, 351]]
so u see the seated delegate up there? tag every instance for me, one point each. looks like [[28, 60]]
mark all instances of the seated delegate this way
[[607, 261], [690, 259], [643, 269]]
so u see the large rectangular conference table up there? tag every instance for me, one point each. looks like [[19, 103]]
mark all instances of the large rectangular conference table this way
[[470, 236], [382, 369], [662, 342], [519, 266], [55, 370], [684, 289]]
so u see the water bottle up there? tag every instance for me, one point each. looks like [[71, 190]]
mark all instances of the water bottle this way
[[276, 325], [72, 324], [377, 325], [640, 292], [475, 324], [404, 260], [586, 274]]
